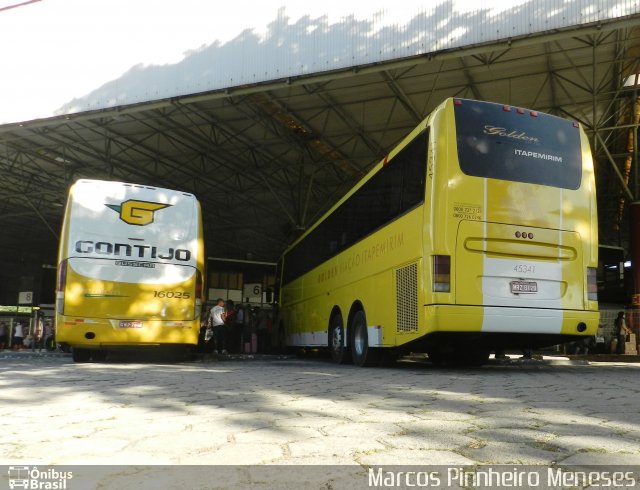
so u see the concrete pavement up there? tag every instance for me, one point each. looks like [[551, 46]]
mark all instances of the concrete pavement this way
[[292, 411]]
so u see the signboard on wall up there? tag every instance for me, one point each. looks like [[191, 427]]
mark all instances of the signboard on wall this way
[[25, 298], [252, 293]]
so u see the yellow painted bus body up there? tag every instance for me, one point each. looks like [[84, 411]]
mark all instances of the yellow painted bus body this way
[[130, 268], [502, 239]]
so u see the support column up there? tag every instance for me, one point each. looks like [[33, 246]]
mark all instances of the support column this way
[[634, 222]]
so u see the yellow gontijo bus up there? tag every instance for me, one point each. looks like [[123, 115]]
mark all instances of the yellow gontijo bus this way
[[130, 268], [478, 232]]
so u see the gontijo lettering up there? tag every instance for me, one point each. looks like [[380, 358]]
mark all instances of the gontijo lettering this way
[[128, 250]]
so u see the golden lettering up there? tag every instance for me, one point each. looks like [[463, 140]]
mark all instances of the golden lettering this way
[[504, 132]]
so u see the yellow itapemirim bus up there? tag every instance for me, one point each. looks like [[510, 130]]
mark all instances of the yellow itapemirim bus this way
[[477, 232], [130, 268]]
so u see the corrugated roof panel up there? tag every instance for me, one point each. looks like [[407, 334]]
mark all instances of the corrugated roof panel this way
[[245, 47]]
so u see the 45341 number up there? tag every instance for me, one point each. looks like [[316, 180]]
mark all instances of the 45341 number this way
[[524, 269]]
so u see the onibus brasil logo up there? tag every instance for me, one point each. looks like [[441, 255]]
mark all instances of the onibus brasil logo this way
[[139, 213], [32, 478]]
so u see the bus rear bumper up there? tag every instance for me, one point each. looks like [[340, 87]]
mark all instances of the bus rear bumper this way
[[102, 333], [510, 320], [451, 327]]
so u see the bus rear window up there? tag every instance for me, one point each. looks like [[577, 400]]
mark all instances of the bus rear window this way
[[501, 142]]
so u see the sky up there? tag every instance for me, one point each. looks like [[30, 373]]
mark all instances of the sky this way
[[55, 50]]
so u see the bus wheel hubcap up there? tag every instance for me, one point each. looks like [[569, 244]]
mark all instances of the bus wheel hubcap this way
[[359, 341], [337, 338]]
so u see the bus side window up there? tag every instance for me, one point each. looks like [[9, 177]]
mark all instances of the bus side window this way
[[415, 169]]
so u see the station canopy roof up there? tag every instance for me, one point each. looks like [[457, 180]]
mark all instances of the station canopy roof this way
[[266, 160]]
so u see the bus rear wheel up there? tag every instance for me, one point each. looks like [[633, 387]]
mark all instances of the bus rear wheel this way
[[362, 354], [339, 351]]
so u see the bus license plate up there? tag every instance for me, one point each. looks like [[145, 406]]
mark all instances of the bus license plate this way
[[130, 324], [519, 287]]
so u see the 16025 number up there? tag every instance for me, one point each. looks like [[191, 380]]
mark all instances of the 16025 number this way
[[172, 294]]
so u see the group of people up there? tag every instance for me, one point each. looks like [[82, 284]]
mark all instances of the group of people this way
[[15, 341], [21, 338], [231, 328], [592, 345], [599, 344]]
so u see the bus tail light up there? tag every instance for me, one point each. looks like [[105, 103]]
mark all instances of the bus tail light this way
[[61, 284], [441, 273], [592, 284]]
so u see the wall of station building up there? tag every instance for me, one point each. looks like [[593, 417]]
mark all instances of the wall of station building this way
[[75, 56]]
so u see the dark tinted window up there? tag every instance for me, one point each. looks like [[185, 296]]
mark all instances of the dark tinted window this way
[[508, 145], [395, 189]]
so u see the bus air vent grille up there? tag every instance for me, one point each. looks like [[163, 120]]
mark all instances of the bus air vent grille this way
[[407, 298]]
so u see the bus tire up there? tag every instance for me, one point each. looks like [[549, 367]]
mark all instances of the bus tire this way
[[469, 357], [362, 354], [473, 357], [80, 355], [340, 353], [388, 358], [99, 356], [436, 357]]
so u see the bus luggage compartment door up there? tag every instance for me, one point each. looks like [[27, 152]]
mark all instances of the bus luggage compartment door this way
[[518, 266], [104, 289]]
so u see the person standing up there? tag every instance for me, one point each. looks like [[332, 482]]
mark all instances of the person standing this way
[[247, 329], [206, 333], [264, 328], [238, 325], [600, 340], [621, 332], [18, 337], [47, 335], [3, 335], [229, 321], [217, 324]]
